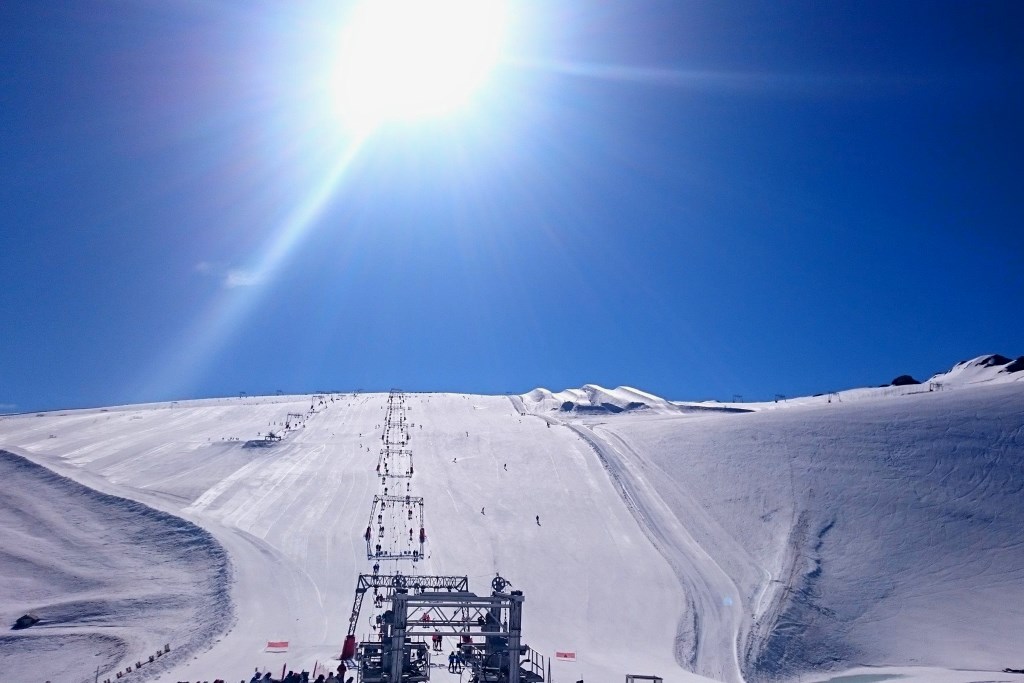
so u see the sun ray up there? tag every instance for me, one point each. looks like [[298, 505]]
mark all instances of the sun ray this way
[[214, 327]]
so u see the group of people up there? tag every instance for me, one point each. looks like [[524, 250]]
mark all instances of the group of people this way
[[301, 677], [455, 662], [292, 677]]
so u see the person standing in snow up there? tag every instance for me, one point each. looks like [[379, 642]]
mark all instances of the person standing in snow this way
[[538, 520]]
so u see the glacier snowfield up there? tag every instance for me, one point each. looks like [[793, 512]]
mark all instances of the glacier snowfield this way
[[877, 532]]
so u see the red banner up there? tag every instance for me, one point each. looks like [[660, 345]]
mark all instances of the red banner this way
[[277, 646], [566, 656]]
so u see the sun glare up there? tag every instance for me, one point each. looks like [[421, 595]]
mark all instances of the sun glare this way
[[410, 59]]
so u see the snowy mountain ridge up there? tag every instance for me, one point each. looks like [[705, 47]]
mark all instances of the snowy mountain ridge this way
[[993, 368], [591, 398], [595, 399]]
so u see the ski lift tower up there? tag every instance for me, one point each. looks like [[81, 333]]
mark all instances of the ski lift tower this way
[[402, 512], [489, 629]]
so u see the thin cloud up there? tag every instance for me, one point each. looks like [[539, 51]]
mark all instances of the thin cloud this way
[[229, 277], [238, 277]]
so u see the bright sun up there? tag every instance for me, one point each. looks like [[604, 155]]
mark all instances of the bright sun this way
[[410, 59]]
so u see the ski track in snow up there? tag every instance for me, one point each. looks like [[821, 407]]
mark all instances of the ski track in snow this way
[[709, 649]]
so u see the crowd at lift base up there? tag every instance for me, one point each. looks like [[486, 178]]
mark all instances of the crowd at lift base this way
[[290, 677]]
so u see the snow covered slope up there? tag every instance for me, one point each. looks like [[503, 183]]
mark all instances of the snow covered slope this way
[[592, 399], [876, 532], [820, 537], [291, 516], [991, 369], [110, 579]]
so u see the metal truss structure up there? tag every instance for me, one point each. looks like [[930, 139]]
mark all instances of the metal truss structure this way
[[395, 463], [387, 583], [413, 506], [489, 629]]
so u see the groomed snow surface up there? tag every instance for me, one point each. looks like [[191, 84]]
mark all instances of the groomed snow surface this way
[[876, 531]]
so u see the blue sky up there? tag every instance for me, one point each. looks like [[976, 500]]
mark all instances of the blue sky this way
[[696, 199]]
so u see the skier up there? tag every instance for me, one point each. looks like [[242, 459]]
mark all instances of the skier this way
[[538, 520], [451, 662], [376, 568], [482, 511]]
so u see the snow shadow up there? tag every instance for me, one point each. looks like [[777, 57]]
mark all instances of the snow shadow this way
[[111, 580]]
